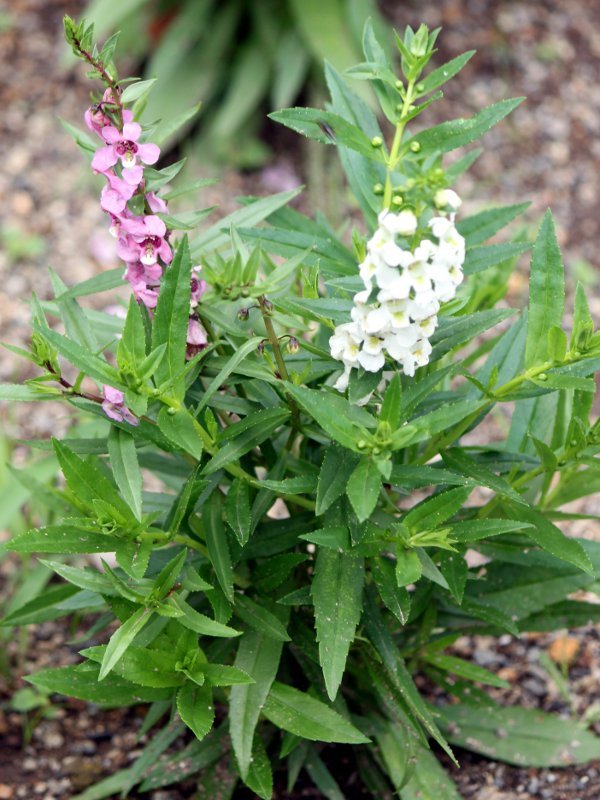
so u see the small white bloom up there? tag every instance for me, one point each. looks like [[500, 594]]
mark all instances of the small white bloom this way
[[447, 198]]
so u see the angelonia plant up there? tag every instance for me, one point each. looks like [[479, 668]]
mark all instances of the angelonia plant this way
[[308, 460]]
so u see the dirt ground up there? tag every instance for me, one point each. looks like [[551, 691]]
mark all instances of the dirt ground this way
[[547, 152]]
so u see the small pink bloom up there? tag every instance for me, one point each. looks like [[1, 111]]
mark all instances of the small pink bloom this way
[[124, 146], [146, 240], [114, 197], [149, 297], [198, 287], [197, 338], [156, 203], [96, 119], [115, 408]]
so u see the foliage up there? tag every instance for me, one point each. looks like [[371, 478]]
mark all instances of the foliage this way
[[308, 552]]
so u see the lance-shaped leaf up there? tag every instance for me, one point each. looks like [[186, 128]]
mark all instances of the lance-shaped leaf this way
[[121, 639], [337, 596], [170, 322], [68, 537], [195, 707], [305, 716], [243, 436], [126, 468], [363, 488], [82, 682], [546, 292], [182, 429], [481, 226], [258, 656], [216, 542]]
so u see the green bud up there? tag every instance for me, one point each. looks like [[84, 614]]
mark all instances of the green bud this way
[[171, 411], [542, 376], [378, 188], [267, 306], [399, 85], [415, 147], [376, 141], [361, 444], [397, 200], [293, 346], [243, 314], [420, 87], [410, 183]]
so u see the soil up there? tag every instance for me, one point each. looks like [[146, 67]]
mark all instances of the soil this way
[[548, 152]]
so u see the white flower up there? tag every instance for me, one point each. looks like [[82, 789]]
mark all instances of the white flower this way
[[447, 198]]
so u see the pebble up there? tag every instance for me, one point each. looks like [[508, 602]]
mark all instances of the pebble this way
[[6, 792]]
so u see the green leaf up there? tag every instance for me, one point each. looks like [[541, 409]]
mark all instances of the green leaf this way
[[238, 356], [132, 345], [396, 598], [171, 320], [305, 716], [546, 292], [258, 656], [222, 675], [408, 567], [429, 780], [121, 639], [261, 619], [464, 669], [195, 707], [459, 461], [439, 76], [67, 537], [181, 428], [137, 91], [479, 227], [82, 358], [126, 469], [168, 127], [43, 608], [337, 597], [436, 509], [245, 435], [550, 538], [200, 623], [143, 666], [337, 466], [216, 542], [520, 736], [363, 488], [336, 538], [82, 682], [483, 257], [327, 128], [392, 403], [260, 773], [237, 510], [459, 132]]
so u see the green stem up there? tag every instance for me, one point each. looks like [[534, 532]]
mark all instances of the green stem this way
[[279, 360], [392, 160]]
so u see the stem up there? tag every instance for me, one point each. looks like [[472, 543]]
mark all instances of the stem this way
[[112, 83], [397, 142], [283, 373]]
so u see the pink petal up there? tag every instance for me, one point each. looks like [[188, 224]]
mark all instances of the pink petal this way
[[129, 417], [164, 251], [135, 274], [153, 273], [112, 411], [132, 131], [112, 201], [149, 153], [148, 297], [113, 395], [196, 333], [155, 226], [127, 115], [133, 175], [134, 226], [104, 159], [156, 203], [111, 134], [126, 251]]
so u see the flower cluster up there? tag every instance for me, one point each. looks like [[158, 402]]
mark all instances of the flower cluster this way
[[406, 277], [142, 239]]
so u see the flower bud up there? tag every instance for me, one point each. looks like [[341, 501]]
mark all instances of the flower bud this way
[[397, 200], [243, 314], [420, 87], [267, 306], [293, 346], [415, 147], [399, 84], [378, 189], [376, 141], [447, 198], [260, 348]]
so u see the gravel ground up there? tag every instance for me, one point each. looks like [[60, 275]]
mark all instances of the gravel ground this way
[[547, 152]]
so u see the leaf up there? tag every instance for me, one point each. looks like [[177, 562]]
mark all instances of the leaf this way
[[483, 257], [219, 234], [459, 461], [126, 469], [436, 509], [327, 128], [195, 707], [237, 510], [68, 537], [408, 567], [142, 666], [465, 669], [429, 780], [168, 127], [520, 736], [181, 428], [137, 91], [396, 598], [459, 132], [260, 773], [18, 393], [43, 608], [200, 623], [305, 716], [216, 542], [170, 322], [363, 488], [337, 593], [439, 76], [245, 436], [479, 227], [392, 403], [222, 675], [82, 682], [121, 639], [337, 466], [546, 292], [258, 656], [455, 571], [238, 356], [260, 618], [82, 358], [549, 537]]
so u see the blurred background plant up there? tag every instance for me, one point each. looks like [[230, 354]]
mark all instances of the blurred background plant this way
[[239, 59]]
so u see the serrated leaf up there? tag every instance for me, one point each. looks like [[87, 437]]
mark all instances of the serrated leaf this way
[[546, 292], [395, 597], [181, 428], [305, 716], [337, 593], [195, 707], [82, 683], [67, 537], [237, 510], [337, 466], [121, 639], [216, 542], [363, 488], [260, 618]]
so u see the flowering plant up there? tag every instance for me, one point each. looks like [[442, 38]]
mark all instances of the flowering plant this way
[[310, 527]]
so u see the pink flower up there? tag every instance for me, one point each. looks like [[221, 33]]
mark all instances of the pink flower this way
[[198, 287], [124, 146], [156, 203], [96, 119], [115, 408], [146, 241], [115, 195], [197, 338]]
